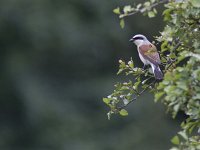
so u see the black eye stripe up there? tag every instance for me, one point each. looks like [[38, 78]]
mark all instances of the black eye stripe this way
[[138, 38]]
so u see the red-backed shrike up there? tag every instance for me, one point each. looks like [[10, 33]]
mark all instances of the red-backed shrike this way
[[148, 54]]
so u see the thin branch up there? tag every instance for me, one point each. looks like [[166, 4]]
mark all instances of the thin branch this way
[[143, 9], [136, 96]]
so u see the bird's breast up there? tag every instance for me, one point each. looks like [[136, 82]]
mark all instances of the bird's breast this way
[[142, 59]]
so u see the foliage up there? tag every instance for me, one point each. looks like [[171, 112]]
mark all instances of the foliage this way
[[180, 56]]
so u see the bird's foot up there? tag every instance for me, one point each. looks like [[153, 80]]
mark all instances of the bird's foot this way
[[144, 67]]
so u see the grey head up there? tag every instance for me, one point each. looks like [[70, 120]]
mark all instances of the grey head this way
[[138, 39]]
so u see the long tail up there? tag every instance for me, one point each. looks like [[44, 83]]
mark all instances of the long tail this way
[[157, 72]]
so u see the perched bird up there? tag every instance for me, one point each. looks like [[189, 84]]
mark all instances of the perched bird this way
[[148, 54]]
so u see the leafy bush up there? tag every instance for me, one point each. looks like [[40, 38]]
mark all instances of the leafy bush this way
[[180, 56]]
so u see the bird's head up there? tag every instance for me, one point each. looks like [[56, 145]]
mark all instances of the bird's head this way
[[138, 39]]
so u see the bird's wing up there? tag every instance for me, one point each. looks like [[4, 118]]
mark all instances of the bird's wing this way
[[149, 52]]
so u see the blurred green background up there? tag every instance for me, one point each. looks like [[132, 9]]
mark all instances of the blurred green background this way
[[59, 58]]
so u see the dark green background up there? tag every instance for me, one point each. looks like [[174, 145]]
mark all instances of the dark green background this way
[[58, 59]]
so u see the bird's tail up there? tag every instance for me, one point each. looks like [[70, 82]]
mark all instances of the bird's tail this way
[[157, 72]]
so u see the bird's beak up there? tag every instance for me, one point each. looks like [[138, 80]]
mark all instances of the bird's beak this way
[[131, 40]]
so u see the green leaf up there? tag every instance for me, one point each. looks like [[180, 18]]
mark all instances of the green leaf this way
[[172, 55], [196, 97], [136, 84], [130, 63], [107, 100], [195, 3], [116, 10], [123, 112], [151, 14], [120, 71], [127, 9], [182, 85], [122, 23], [155, 11], [147, 4], [139, 5], [122, 64], [175, 140], [153, 1], [176, 109], [191, 128], [158, 95], [164, 46], [183, 134]]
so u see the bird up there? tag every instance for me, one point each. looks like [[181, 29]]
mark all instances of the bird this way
[[148, 54]]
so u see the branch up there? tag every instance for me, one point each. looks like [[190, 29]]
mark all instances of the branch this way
[[143, 9], [136, 96]]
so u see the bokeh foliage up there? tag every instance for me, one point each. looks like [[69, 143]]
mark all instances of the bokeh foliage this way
[[180, 55], [58, 58]]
